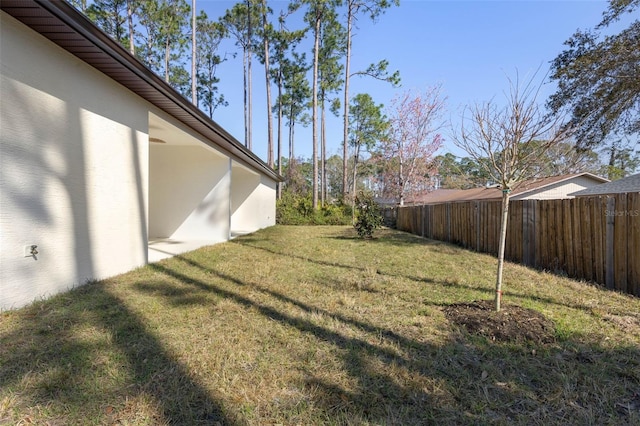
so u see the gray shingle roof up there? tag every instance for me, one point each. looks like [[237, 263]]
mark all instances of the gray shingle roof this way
[[628, 184]]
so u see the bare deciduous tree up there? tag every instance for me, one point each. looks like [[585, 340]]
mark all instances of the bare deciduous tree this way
[[406, 153], [509, 141]]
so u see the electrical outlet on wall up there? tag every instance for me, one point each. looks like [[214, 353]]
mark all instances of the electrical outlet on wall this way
[[30, 250]]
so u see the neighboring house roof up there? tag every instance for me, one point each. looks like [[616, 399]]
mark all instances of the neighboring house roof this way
[[495, 193], [74, 32], [628, 184], [437, 194]]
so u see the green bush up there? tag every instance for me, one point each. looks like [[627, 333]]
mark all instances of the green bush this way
[[368, 215], [294, 209]]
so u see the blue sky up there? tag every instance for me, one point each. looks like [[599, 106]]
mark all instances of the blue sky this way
[[468, 47]]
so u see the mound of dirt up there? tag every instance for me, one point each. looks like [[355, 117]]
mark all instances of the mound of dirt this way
[[512, 324]]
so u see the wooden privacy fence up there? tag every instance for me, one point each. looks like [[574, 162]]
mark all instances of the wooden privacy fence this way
[[591, 238]]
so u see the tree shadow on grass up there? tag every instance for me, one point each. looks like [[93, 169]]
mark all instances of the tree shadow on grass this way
[[86, 352], [358, 352], [393, 379], [252, 242], [389, 378]]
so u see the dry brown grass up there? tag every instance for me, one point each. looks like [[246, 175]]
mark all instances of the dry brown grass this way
[[310, 325]]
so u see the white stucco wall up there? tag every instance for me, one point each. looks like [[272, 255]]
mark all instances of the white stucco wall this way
[[253, 203], [73, 170], [79, 178], [189, 193], [560, 190]]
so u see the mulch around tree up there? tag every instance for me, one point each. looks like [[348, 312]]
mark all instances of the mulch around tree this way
[[513, 323]]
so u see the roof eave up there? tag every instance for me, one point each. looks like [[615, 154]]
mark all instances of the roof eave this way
[[139, 77]]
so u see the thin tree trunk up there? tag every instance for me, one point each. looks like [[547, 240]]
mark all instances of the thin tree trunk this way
[[167, 52], [249, 83], [355, 168], [345, 140], [323, 154], [316, 52], [246, 110], [268, 83], [132, 48], [250, 110], [503, 238], [194, 91], [291, 145], [279, 184], [401, 174], [355, 175], [149, 50]]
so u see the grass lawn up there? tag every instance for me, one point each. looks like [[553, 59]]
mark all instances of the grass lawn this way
[[310, 325]]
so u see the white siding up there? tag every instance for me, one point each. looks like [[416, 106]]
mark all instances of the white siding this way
[[560, 190], [73, 170]]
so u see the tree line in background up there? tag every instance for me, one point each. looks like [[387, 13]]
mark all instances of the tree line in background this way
[[160, 32], [389, 151]]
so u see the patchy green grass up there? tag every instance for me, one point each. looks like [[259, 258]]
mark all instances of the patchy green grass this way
[[310, 325]]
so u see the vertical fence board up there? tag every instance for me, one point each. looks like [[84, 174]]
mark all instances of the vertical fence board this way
[[593, 238], [560, 240], [610, 243], [577, 238], [496, 231], [473, 225], [497, 208], [493, 224], [490, 226], [550, 233], [568, 237], [486, 229], [620, 245], [454, 231], [471, 212], [543, 260], [537, 239], [476, 214], [482, 229], [598, 232], [469, 223], [510, 249], [587, 234], [633, 205], [432, 215], [462, 227], [528, 231]]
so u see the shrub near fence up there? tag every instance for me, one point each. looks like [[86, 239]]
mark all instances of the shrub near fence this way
[[592, 238]]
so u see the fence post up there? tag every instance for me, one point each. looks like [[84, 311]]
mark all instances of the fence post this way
[[610, 225], [529, 232], [448, 222], [477, 209]]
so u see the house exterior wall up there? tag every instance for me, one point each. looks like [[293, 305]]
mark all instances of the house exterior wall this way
[[189, 193], [73, 170], [559, 190], [253, 204]]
